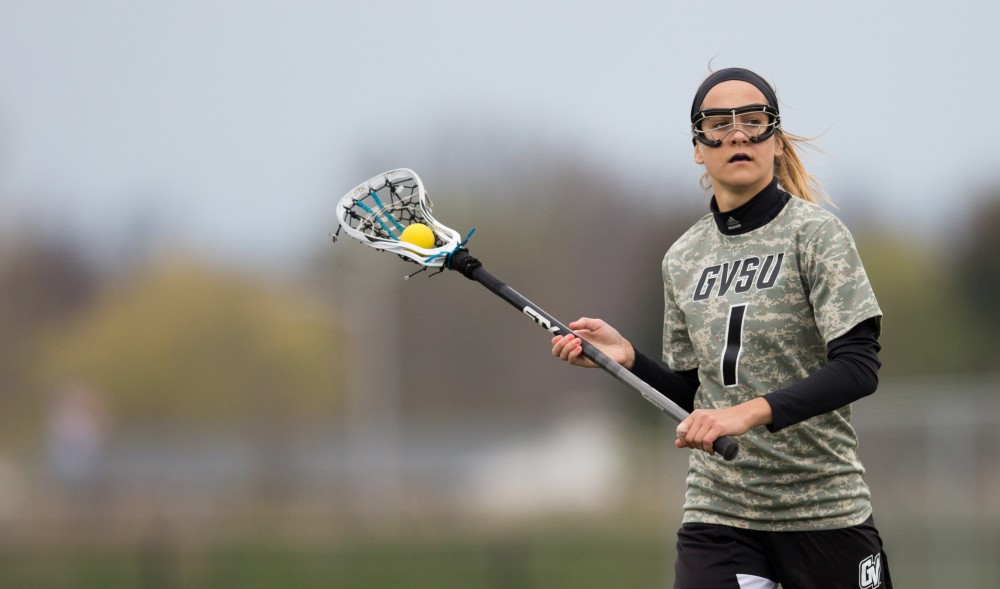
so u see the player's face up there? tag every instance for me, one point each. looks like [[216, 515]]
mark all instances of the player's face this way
[[739, 168]]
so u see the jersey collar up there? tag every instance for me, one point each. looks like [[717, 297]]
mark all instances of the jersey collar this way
[[753, 214]]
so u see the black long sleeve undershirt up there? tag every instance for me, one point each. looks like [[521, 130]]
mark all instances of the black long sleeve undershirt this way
[[850, 374], [679, 386]]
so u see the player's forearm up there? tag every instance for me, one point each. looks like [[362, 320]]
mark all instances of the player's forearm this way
[[679, 387], [757, 412]]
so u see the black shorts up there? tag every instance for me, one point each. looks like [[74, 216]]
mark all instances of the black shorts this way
[[723, 557]]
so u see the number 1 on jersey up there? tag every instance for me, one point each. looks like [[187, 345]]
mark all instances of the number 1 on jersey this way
[[734, 345]]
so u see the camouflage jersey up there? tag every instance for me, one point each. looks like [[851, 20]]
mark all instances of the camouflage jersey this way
[[754, 313]]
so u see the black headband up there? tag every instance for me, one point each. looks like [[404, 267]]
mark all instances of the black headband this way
[[733, 73]]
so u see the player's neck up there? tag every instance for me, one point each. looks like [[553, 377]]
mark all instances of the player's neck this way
[[728, 198], [760, 210]]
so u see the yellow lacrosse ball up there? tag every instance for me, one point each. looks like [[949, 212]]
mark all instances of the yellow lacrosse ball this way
[[419, 235]]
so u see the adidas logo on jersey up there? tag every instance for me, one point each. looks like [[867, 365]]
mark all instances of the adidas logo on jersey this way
[[739, 275]]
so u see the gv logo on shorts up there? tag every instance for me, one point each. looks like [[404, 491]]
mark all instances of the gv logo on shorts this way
[[870, 572]]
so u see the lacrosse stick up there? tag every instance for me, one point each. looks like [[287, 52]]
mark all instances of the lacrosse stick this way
[[377, 212]]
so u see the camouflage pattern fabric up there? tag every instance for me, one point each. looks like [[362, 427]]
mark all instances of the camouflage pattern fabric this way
[[753, 313]]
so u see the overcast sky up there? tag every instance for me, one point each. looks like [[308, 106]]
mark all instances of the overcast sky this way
[[236, 125]]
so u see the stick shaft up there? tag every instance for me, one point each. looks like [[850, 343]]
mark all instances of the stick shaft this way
[[725, 446]]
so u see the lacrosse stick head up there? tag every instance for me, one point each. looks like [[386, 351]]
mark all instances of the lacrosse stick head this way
[[378, 210]]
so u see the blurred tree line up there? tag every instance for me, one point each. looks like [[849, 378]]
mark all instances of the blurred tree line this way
[[177, 338], [166, 341]]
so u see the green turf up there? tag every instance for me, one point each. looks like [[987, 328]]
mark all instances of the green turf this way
[[551, 561]]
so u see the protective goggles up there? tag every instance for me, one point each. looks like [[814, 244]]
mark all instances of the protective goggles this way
[[757, 121]]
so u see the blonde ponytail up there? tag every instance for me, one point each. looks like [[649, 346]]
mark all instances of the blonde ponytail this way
[[792, 174]]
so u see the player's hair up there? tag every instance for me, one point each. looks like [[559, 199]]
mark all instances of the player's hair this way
[[792, 174]]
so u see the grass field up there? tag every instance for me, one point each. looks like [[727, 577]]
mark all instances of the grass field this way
[[566, 555], [554, 559]]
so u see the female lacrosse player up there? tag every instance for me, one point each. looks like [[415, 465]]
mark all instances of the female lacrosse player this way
[[770, 331]]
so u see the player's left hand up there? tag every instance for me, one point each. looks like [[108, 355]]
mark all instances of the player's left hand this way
[[704, 426]]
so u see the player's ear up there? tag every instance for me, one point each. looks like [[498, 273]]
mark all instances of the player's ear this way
[[698, 158]]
